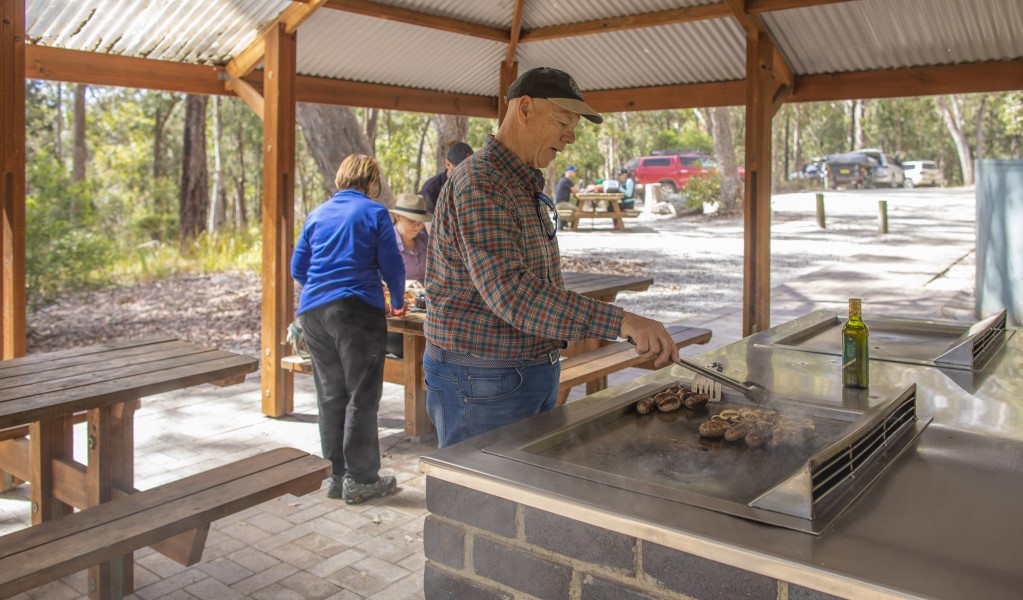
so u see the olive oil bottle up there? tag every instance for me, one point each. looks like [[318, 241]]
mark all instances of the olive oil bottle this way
[[855, 350]]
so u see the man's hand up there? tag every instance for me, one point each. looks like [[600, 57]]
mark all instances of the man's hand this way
[[396, 312], [651, 338]]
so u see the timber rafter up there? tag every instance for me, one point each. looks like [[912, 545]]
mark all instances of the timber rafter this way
[[56, 64]]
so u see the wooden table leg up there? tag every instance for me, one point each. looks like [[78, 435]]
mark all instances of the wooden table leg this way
[[111, 466], [417, 423], [48, 441]]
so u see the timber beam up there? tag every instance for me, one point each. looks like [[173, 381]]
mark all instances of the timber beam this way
[[93, 68], [412, 17], [754, 27], [293, 16]]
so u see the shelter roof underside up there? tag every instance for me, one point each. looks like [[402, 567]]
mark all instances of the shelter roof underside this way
[[381, 41]]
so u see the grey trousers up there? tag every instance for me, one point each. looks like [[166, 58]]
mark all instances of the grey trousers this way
[[346, 339]]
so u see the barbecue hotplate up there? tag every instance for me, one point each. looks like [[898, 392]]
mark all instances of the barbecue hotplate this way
[[661, 454], [945, 344]]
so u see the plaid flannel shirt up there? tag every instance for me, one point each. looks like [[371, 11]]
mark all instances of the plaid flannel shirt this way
[[493, 275]]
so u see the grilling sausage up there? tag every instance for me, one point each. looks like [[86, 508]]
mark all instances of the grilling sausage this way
[[645, 405], [756, 438], [714, 428], [737, 432], [667, 402], [696, 401]]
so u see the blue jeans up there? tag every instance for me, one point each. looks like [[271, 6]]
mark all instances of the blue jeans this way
[[464, 402]]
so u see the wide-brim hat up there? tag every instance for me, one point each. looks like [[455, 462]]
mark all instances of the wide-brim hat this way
[[554, 85], [412, 206]]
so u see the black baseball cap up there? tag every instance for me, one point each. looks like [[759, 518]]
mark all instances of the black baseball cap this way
[[554, 85], [458, 152]]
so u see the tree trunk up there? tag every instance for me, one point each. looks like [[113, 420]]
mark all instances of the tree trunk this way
[[419, 157], [954, 122], [450, 129], [163, 114], [194, 194], [81, 146], [788, 133], [58, 127], [372, 118], [218, 208], [797, 148], [332, 133], [979, 147], [852, 124], [241, 219], [724, 148], [858, 140]]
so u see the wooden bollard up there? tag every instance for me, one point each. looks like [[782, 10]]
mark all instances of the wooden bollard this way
[[882, 216], [820, 211]]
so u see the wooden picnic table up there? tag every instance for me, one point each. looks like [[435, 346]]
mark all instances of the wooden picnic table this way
[[409, 373], [40, 395], [599, 286], [614, 211]]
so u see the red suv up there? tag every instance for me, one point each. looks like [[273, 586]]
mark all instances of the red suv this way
[[672, 171]]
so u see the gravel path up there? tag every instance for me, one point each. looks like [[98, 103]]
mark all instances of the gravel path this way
[[696, 263]]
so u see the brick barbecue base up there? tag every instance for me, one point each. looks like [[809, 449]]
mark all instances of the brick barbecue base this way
[[483, 547]]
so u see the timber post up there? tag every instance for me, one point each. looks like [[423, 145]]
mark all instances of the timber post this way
[[820, 211], [278, 218], [756, 305], [882, 216], [12, 176]]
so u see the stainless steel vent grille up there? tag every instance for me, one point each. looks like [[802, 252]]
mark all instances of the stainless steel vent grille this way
[[990, 338], [862, 452]]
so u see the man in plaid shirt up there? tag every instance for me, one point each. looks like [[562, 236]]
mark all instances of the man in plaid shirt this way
[[498, 310]]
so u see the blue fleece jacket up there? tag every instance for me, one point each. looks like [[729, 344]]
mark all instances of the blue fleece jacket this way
[[346, 247]]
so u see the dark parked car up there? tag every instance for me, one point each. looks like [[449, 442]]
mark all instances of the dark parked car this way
[[852, 170], [888, 171]]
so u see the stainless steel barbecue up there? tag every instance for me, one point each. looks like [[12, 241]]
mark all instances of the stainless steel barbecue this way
[[662, 455], [932, 343]]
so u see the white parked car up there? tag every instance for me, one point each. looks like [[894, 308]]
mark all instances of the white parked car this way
[[921, 172]]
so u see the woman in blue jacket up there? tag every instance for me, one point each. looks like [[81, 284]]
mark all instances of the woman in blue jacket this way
[[347, 246]]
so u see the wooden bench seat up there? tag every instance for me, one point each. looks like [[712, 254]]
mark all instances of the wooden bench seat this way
[[393, 371], [585, 367], [173, 518], [596, 365]]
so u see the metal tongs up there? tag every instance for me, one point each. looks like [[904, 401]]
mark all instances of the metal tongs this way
[[709, 381]]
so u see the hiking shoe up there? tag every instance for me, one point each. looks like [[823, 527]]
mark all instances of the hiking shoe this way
[[357, 493], [335, 487]]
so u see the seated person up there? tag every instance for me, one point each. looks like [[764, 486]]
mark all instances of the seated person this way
[[409, 216], [565, 187], [627, 186]]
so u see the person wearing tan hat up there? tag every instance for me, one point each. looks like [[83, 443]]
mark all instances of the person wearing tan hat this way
[[498, 312], [410, 217]]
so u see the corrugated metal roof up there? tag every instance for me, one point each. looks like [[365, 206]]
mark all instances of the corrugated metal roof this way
[[560, 12], [671, 54], [205, 32], [882, 34], [493, 13], [349, 46], [849, 36]]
